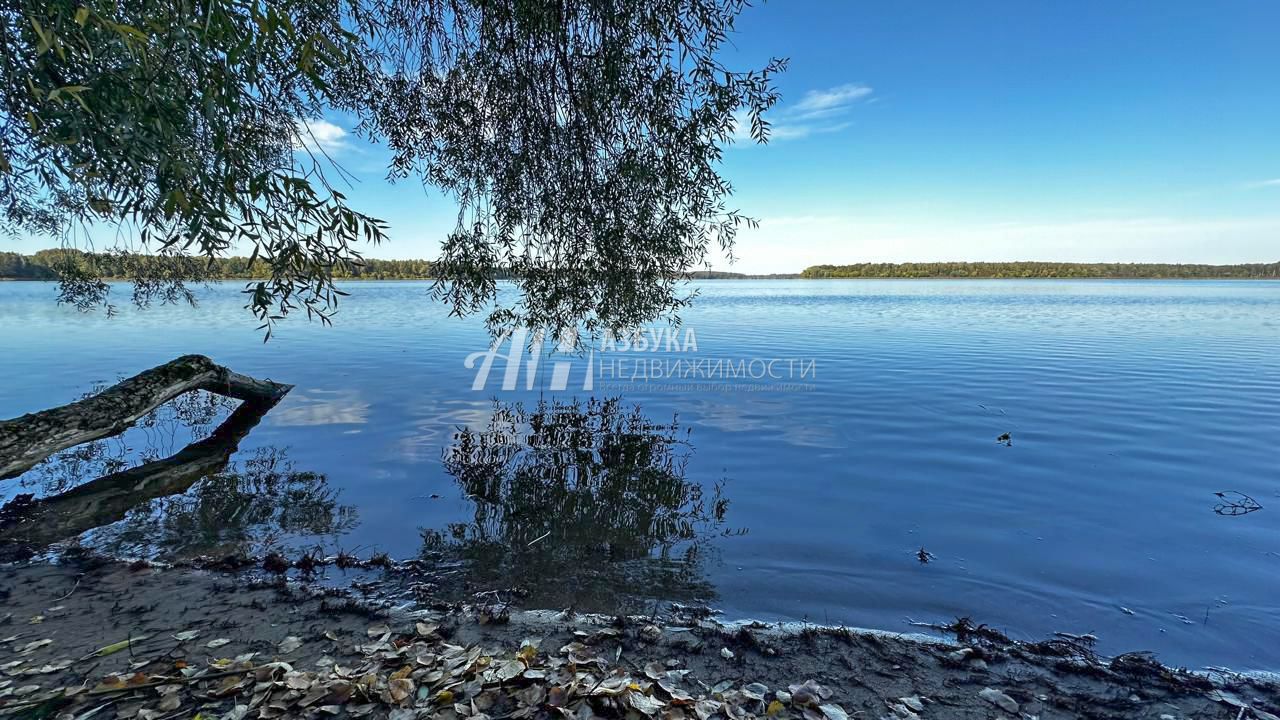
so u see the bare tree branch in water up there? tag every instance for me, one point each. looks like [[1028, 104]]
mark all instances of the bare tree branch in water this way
[[163, 431], [26, 440], [196, 501], [1235, 503]]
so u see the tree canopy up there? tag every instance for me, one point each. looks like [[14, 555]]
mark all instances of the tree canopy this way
[[580, 138]]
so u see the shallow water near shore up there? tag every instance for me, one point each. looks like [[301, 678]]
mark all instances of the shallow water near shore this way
[[806, 493]]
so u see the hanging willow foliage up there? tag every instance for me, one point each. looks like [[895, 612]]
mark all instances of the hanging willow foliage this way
[[580, 138]]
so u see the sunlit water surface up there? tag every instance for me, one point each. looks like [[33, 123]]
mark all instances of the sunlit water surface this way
[[1127, 404]]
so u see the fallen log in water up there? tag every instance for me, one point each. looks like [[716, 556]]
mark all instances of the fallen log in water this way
[[27, 525], [26, 440]]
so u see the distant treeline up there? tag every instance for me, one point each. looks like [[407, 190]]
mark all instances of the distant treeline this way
[[1040, 270], [722, 275], [45, 264]]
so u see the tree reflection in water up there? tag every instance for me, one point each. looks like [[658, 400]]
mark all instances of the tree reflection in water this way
[[195, 501], [251, 506], [582, 504]]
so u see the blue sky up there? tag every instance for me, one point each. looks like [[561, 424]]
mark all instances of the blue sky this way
[[1016, 130], [1081, 131]]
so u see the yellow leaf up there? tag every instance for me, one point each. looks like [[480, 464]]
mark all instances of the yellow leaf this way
[[43, 46], [82, 16], [444, 697], [774, 708], [117, 647], [129, 30]]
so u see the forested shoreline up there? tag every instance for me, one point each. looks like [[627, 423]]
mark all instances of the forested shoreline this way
[[1042, 270], [47, 265]]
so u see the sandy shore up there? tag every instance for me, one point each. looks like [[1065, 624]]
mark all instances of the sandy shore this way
[[177, 633]]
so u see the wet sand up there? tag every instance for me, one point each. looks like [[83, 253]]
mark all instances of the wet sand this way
[[86, 605]]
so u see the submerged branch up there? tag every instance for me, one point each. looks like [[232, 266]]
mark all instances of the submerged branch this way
[[37, 523], [26, 440]]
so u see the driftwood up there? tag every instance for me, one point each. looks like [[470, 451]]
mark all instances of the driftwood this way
[[27, 525], [26, 440]]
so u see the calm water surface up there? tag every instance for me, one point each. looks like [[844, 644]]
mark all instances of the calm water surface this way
[[1128, 405]]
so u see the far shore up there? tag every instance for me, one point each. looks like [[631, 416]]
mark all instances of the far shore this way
[[753, 277], [45, 264]]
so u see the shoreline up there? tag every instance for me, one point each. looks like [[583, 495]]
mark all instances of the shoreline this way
[[84, 605], [766, 278]]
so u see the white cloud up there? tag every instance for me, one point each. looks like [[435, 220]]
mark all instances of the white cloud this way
[[823, 103], [320, 134], [815, 113], [1265, 183]]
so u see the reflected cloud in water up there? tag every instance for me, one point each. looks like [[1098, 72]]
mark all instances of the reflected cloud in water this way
[[583, 504], [435, 422], [760, 414], [321, 407]]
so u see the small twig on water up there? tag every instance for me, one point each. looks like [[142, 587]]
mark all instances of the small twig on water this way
[[73, 589], [1235, 503]]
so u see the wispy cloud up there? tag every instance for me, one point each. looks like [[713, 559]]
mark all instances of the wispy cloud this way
[[1275, 182], [816, 112], [320, 134], [834, 101]]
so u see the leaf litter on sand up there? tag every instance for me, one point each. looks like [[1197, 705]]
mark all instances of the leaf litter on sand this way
[[418, 673]]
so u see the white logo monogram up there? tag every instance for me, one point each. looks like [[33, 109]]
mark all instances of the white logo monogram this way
[[560, 370]]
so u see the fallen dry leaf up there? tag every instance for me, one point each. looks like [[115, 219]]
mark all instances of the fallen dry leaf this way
[[833, 712]]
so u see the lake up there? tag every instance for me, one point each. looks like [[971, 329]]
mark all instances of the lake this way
[[792, 453]]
